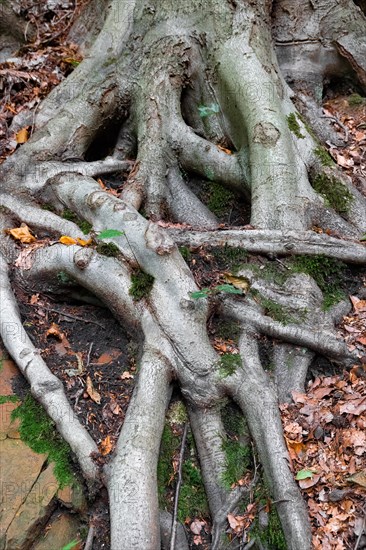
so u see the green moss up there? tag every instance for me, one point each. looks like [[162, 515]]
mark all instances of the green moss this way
[[323, 156], [274, 310], [307, 126], [228, 330], [141, 284], [355, 99], [64, 278], [327, 273], [238, 459], [8, 399], [229, 258], [334, 192], [192, 497], [108, 249], [219, 199], [72, 217], [228, 364], [185, 252], [294, 125], [169, 444], [38, 431], [233, 420], [49, 207], [272, 536]]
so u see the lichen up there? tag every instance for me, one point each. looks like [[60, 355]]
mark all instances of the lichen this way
[[294, 126]]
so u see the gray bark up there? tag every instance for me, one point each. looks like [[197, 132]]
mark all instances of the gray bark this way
[[144, 72]]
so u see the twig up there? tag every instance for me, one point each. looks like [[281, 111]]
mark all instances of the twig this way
[[179, 483], [361, 531], [337, 121], [90, 538], [89, 353], [68, 315]]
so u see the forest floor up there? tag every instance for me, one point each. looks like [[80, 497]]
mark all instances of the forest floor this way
[[97, 360]]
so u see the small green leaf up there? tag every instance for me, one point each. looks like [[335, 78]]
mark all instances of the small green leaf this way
[[305, 474], [363, 238], [200, 293], [230, 289], [110, 234], [71, 545]]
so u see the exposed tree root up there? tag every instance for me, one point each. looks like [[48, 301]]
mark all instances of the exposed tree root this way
[[182, 98], [272, 243]]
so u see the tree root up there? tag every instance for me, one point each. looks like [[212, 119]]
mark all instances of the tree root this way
[[271, 243], [45, 387]]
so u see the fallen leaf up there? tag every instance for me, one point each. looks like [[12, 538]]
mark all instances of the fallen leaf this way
[[359, 478], [67, 240], [22, 234], [83, 242], [238, 282], [106, 446], [304, 474], [126, 375], [227, 151], [91, 391], [22, 135], [55, 330], [307, 483], [107, 358], [196, 526]]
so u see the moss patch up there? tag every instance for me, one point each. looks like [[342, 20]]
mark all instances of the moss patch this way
[[219, 199], [354, 100], [334, 192], [272, 537], [327, 273], [228, 364], [38, 432], [72, 217], [238, 456], [185, 253], [8, 399], [228, 330], [141, 284], [294, 126], [192, 497], [229, 258], [108, 249], [323, 156]]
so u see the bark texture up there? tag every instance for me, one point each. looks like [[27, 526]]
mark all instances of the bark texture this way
[[149, 73]]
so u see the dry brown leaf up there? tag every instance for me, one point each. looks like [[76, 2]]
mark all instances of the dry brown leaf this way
[[359, 478], [227, 151], [92, 392], [107, 358], [106, 446], [55, 330], [309, 482], [22, 136], [126, 375], [22, 234]]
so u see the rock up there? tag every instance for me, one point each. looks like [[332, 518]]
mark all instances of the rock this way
[[8, 428], [73, 497], [34, 512], [9, 370], [60, 530], [19, 469]]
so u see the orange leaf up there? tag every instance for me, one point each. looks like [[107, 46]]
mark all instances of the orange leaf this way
[[67, 240], [106, 446], [22, 234], [92, 392], [22, 135], [82, 242], [227, 151]]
